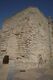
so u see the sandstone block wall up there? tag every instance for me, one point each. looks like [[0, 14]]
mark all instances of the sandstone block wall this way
[[25, 36]]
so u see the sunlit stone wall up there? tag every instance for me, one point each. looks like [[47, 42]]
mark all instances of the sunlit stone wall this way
[[25, 37]]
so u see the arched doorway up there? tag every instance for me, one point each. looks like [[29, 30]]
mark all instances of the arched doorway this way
[[6, 59]]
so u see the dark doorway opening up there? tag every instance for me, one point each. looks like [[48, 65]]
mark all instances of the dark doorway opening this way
[[6, 59]]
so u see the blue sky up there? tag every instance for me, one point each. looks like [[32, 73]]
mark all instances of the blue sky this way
[[10, 7]]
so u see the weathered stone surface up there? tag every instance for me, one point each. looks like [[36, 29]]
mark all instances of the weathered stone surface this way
[[26, 34]]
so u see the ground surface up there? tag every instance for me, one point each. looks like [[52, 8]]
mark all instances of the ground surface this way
[[33, 74], [9, 72]]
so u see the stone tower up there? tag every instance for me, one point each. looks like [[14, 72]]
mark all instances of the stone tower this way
[[25, 36]]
